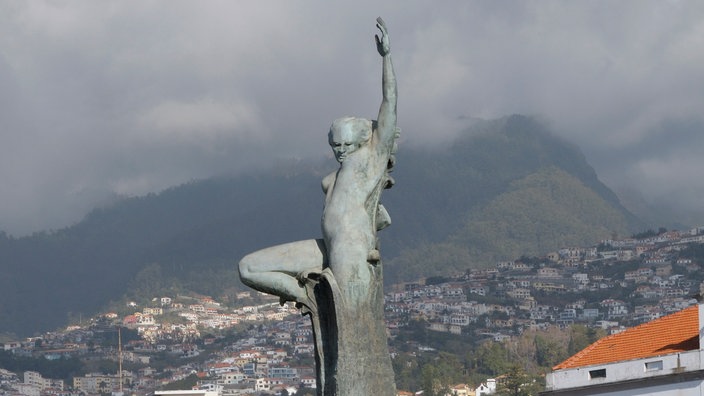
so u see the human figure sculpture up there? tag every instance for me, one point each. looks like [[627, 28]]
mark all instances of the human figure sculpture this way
[[347, 257], [364, 150]]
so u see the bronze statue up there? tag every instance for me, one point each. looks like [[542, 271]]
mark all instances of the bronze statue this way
[[337, 279]]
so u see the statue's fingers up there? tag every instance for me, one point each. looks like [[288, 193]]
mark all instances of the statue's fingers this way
[[381, 26]]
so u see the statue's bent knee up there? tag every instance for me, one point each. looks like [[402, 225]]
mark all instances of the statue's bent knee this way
[[245, 269]]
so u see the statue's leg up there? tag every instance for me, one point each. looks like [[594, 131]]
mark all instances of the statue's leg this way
[[276, 270], [349, 255]]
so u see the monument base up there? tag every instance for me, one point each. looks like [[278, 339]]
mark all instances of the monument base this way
[[352, 354]]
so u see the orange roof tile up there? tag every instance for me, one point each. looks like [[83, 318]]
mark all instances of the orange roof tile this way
[[674, 333]]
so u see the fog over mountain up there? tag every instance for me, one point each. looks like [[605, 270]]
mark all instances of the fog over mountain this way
[[99, 100]]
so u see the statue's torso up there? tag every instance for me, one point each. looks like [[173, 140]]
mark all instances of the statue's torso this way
[[350, 201]]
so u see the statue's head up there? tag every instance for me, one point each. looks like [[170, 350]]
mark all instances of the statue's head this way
[[348, 134]]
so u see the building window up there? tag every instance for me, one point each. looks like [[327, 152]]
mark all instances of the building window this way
[[601, 373], [653, 366]]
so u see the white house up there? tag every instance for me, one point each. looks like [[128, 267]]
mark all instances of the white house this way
[[661, 357], [487, 388]]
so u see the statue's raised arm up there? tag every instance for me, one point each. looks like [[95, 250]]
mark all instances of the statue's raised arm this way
[[386, 121]]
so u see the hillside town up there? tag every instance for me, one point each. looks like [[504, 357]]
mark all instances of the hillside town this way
[[263, 347]]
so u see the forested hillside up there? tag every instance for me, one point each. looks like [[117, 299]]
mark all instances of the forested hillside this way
[[503, 188], [544, 211]]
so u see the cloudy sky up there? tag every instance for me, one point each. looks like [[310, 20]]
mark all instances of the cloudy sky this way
[[130, 97]]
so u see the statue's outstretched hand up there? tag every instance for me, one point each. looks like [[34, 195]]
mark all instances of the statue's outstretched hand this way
[[382, 44]]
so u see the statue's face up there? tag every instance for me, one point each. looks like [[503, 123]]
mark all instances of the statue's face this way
[[343, 141]]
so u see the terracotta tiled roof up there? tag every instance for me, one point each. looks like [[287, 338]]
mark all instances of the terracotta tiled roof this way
[[674, 333]]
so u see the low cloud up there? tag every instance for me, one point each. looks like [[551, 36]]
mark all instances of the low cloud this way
[[131, 97], [203, 119]]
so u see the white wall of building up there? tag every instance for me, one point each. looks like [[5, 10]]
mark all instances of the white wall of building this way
[[624, 371]]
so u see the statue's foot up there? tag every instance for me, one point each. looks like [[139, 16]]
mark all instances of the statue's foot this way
[[305, 276], [307, 279]]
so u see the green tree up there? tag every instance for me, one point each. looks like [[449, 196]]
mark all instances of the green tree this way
[[517, 382], [581, 337], [493, 358], [440, 374], [431, 381], [407, 372], [548, 351]]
